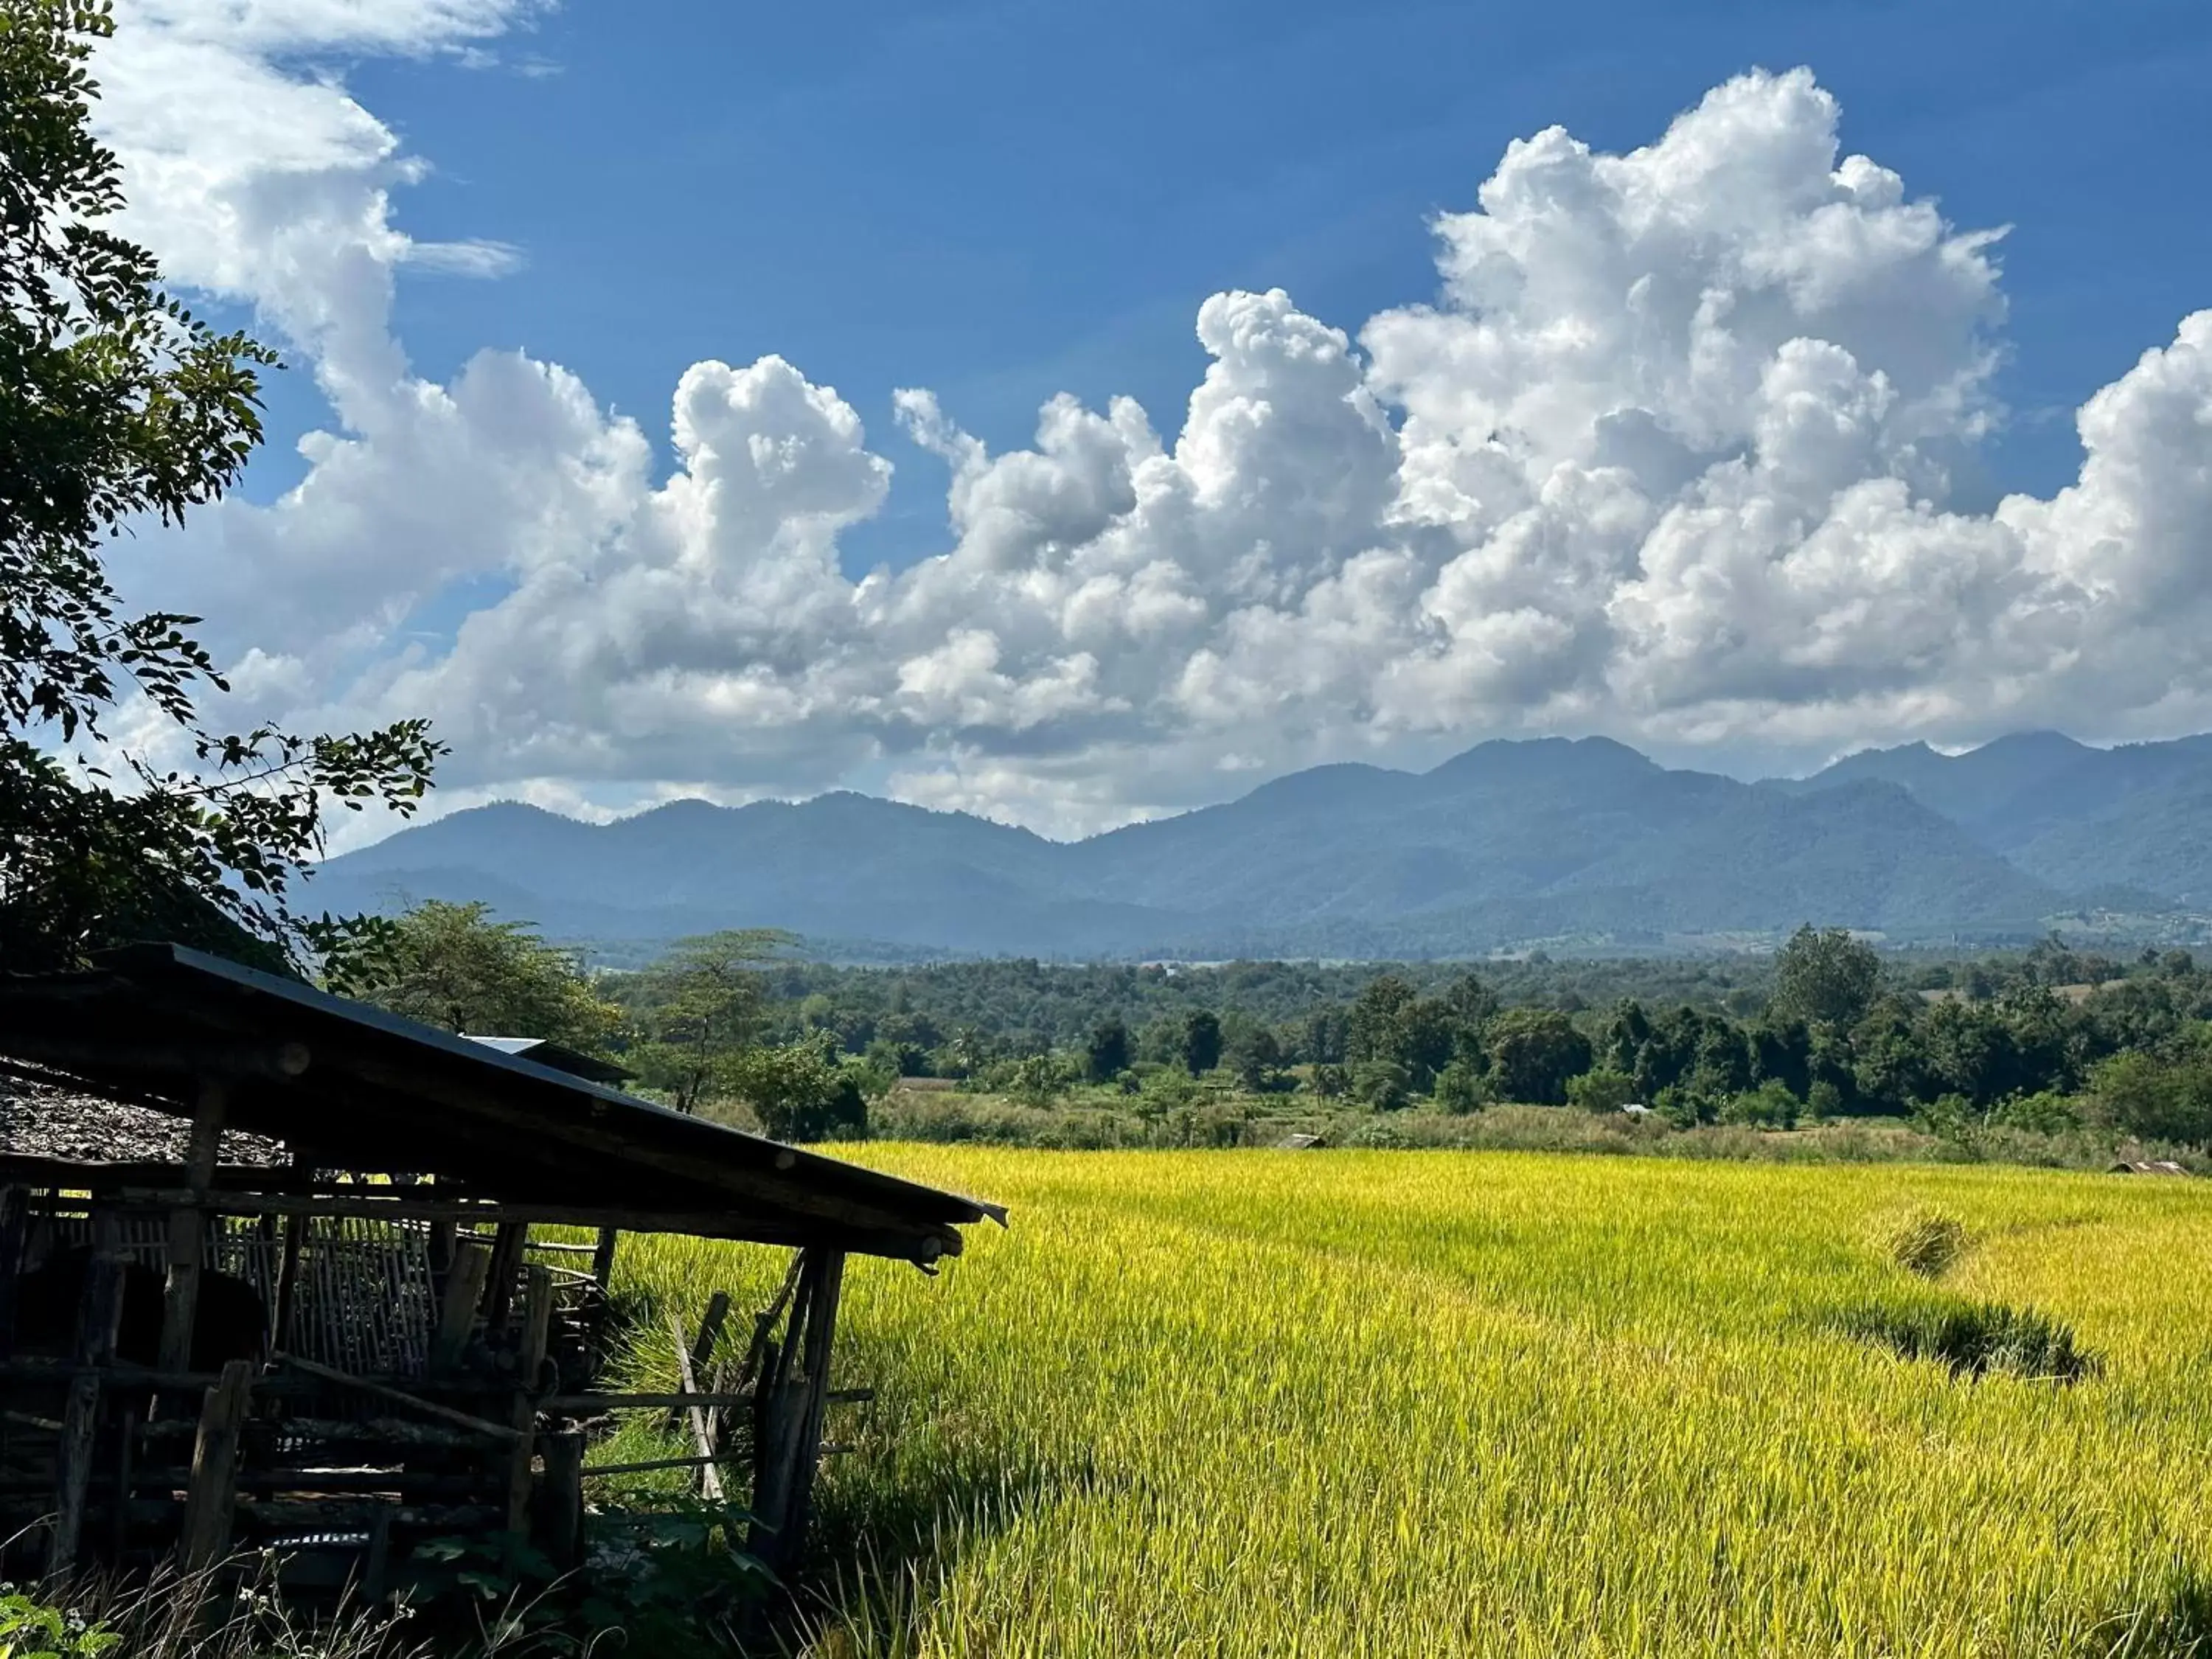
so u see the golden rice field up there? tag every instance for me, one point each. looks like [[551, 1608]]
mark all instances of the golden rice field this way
[[1397, 1403]]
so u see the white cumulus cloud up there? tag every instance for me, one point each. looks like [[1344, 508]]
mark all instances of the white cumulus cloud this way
[[1668, 455]]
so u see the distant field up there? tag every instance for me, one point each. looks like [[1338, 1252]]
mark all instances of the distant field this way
[[1399, 1403]]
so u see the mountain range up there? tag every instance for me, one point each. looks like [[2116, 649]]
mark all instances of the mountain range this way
[[1568, 842]]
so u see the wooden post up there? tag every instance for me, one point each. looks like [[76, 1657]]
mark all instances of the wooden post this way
[[530, 1354], [509, 1243], [99, 1315], [209, 1500], [180, 1294], [559, 1508], [444, 1235], [288, 1284], [457, 1313], [15, 1216], [789, 1402], [376, 1571], [602, 1311], [821, 1338]]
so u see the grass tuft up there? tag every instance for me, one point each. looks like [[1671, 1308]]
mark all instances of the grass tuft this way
[[1926, 1243]]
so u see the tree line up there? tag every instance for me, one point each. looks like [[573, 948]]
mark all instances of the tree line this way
[[2044, 1041]]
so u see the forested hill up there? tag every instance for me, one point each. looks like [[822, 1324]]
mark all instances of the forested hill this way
[[1570, 842]]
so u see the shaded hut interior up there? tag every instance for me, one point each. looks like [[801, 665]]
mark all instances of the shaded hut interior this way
[[268, 1278]]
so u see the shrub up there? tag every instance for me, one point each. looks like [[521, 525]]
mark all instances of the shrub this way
[[1603, 1090], [2045, 1113], [1770, 1106], [1458, 1089]]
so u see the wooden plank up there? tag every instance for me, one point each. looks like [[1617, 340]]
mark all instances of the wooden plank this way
[[703, 1347], [100, 1313], [702, 1436], [188, 1227], [397, 1397], [456, 1312], [530, 1355], [209, 1501]]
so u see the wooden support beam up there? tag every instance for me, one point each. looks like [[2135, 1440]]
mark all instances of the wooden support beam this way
[[397, 1397], [100, 1313], [922, 1244], [180, 1293], [821, 1336], [647, 1465], [602, 1311], [279, 1061], [14, 1214], [508, 1246], [210, 1500], [456, 1313], [530, 1355], [783, 1453]]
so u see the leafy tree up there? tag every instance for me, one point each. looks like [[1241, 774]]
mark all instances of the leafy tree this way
[[452, 965], [1380, 1084], [1376, 1027], [1532, 1054], [2155, 1097], [1625, 1034], [1324, 1035], [1967, 1049], [799, 1091], [1108, 1053], [704, 1001], [117, 407], [1201, 1042], [1782, 1052], [1471, 1002], [1824, 975], [1255, 1056]]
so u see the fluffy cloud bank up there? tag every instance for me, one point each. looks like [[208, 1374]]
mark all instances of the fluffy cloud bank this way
[[1670, 456]]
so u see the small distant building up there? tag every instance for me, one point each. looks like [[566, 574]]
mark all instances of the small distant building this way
[[2151, 1166]]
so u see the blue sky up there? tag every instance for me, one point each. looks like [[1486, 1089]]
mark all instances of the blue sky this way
[[1698, 434], [1002, 202]]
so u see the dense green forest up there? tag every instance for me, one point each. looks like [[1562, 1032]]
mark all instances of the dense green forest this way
[[2051, 1042]]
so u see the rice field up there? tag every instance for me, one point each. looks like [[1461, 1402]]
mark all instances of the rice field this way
[[1396, 1403]]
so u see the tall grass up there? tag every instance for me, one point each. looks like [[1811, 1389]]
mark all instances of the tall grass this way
[[1388, 1404]]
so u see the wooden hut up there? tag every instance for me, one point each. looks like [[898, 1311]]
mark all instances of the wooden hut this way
[[364, 1189]]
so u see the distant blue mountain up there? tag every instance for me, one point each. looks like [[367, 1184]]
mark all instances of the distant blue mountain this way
[[1509, 842]]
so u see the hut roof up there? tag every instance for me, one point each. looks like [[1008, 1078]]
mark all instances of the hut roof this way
[[356, 1088]]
